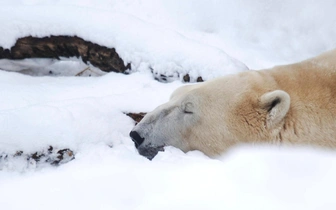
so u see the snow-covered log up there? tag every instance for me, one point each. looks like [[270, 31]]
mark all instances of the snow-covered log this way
[[51, 156], [104, 58]]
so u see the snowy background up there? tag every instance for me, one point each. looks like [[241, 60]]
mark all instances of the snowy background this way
[[86, 114]]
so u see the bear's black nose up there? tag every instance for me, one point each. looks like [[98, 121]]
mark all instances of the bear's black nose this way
[[136, 138]]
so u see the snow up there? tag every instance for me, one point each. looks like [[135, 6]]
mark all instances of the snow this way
[[86, 114], [145, 45], [52, 67], [66, 112], [258, 178]]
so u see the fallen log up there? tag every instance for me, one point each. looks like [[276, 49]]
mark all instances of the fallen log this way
[[49, 156], [104, 58], [54, 47]]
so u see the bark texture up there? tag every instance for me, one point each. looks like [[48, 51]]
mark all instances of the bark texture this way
[[104, 58]]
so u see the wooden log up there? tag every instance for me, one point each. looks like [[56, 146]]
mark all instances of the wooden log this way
[[137, 117], [104, 58]]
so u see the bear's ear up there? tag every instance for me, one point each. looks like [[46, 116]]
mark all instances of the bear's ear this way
[[276, 103]]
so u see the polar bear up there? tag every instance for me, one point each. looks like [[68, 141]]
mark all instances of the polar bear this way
[[286, 105]]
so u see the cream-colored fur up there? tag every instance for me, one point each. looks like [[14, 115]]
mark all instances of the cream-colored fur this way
[[291, 104]]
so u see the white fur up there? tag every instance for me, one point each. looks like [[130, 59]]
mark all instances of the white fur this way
[[292, 104]]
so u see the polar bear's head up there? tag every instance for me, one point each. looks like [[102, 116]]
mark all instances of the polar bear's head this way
[[214, 115]]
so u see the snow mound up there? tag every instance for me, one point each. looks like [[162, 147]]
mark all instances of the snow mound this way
[[260, 178], [38, 112], [148, 47]]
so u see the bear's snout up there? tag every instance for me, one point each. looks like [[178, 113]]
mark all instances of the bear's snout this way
[[136, 138], [149, 150]]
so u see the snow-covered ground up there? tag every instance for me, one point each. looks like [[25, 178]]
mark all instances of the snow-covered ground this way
[[86, 114]]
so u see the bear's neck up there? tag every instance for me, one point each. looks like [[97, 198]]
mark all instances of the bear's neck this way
[[312, 87]]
